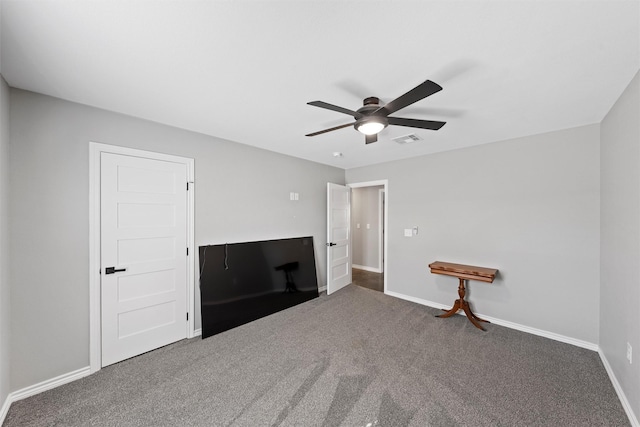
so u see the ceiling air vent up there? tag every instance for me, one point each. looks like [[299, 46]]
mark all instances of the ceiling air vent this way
[[407, 139]]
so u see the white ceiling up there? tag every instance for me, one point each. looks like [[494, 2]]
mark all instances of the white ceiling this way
[[244, 70]]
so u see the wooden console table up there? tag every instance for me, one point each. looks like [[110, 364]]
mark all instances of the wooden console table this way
[[463, 272]]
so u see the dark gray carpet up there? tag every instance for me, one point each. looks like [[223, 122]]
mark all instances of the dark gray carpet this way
[[355, 358]]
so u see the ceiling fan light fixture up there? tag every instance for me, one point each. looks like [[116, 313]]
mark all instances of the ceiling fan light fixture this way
[[371, 125]]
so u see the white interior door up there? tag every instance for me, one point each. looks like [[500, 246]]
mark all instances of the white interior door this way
[[338, 237], [143, 245]]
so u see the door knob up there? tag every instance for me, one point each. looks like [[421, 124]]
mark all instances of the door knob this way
[[111, 270], [331, 244]]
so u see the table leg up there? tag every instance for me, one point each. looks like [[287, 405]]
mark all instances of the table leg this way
[[463, 305], [453, 310]]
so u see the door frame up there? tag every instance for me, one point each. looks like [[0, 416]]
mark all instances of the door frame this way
[[381, 224], [95, 304], [385, 183]]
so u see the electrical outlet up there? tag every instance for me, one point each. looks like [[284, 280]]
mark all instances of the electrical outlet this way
[[629, 352]]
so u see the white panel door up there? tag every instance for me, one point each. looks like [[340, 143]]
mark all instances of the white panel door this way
[[143, 212], [338, 237]]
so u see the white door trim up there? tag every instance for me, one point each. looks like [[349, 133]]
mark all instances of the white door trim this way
[[95, 149], [385, 183], [381, 229]]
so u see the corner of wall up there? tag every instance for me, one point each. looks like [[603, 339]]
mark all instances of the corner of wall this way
[[620, 245], [4, 252]]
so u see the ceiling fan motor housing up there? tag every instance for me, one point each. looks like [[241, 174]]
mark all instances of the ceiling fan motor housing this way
[[370, 105], [371, 100]]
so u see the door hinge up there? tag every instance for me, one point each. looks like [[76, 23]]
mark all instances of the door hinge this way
[[187, 316], [187, 251], [187, 186]]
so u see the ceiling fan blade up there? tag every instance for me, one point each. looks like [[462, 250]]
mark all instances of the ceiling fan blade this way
[[330, 129], [332, 107], [415, 123], [426, 88], [368, 139]]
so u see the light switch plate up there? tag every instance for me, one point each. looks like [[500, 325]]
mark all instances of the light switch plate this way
[[408, 232]]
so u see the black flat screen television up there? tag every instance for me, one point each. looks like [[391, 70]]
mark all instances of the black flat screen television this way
[[242, 282]]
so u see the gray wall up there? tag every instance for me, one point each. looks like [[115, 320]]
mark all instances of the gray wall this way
[[365, 242], [242, 193], [528, 206], [4, 243], [620, 240]]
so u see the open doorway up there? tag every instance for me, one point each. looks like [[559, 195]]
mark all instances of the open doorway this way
[[368, 234]]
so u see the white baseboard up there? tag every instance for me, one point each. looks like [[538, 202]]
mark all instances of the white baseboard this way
[[365, 268], [5, 408], [633, 419], [505, 323], [42, 386], [49, 384], [322, 289], [197, 332]]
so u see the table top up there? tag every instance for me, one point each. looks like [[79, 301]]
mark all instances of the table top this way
[[463, 271]]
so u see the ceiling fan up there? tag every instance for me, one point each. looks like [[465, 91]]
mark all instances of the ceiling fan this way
[[372, 117]]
